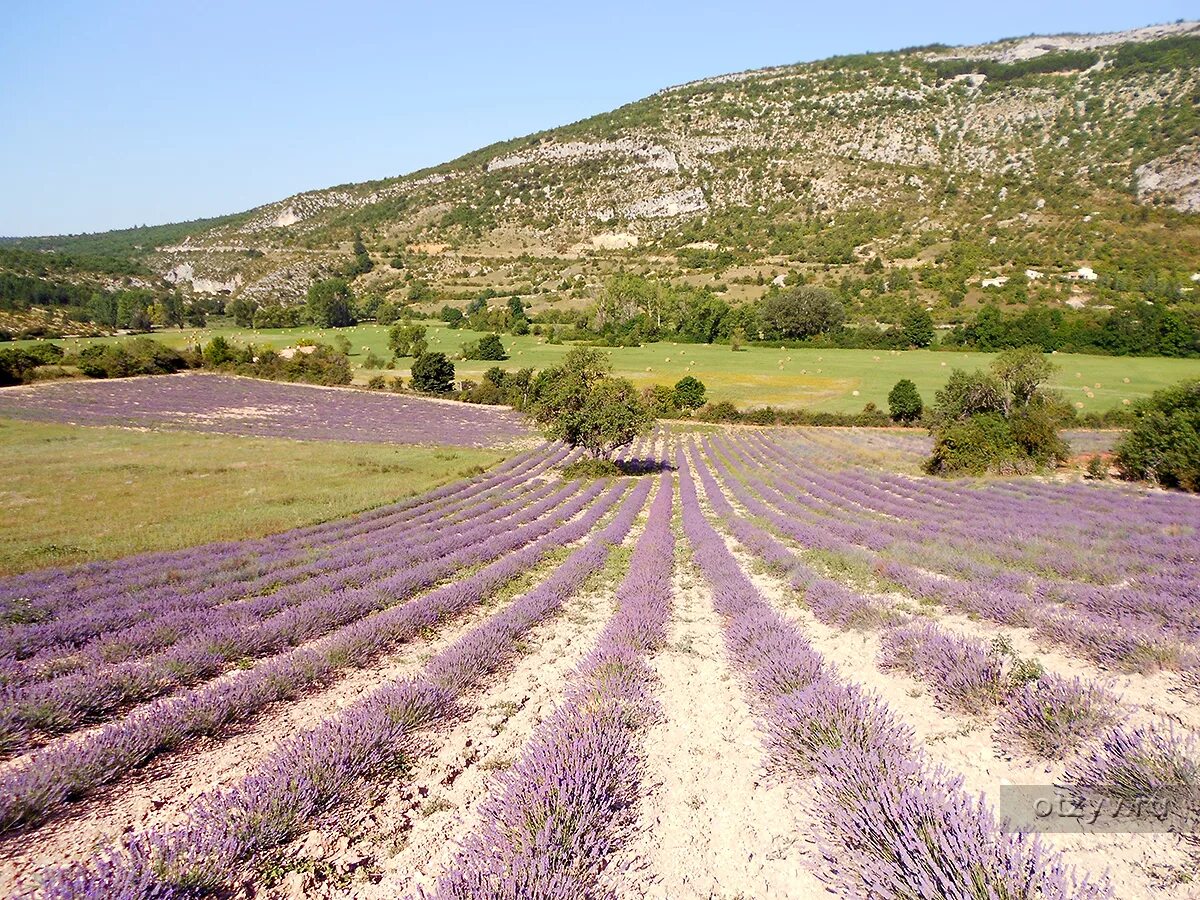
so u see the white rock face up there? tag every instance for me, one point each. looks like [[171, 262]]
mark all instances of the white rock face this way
[[1174, 178], [186, 273], [286, 217], [999, 281], [615, 241], [665, 206], [1031, 47], [647, 156]]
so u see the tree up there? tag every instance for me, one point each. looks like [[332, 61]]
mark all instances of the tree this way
[[407, 340], [386, 313], [433, 373], [803, 311], [917, 327], [452, 316], [362, 259], [330, 303], [969, 394], [999, 421], [217, 352], [689, 392], [242, 311], [904, 401], [1164, 442], [1022, 371], [487, 347], [580, 403]]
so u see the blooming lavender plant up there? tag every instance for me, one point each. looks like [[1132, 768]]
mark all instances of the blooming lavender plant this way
[[217, 403], [551, 828], [1052, 716], [315, 771]]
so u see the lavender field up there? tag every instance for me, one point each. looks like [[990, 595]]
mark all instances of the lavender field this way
[[770, 666], [230, 405]]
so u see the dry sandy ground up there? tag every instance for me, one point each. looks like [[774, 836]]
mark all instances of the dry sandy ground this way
[[1141, 866], [716, 825]]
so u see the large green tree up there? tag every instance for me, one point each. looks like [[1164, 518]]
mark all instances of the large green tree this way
[[581, 403], [330, 303], [802, 312], [433, 373], [407, 340]]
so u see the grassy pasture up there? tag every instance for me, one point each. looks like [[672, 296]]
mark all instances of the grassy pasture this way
[[830, 380], [75, 493]]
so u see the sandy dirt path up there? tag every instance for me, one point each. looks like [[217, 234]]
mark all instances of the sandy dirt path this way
[[715, 824]]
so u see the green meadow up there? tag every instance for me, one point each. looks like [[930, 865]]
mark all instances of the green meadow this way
[[76, 493], [827, 380]]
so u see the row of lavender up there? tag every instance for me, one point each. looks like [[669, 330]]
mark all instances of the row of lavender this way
[[185, 646], [551, 826], [231, 566], [324, 767], [1041, 714], [1150, 621], [895, 825], [360, 626], [124, 626], [70, 770]]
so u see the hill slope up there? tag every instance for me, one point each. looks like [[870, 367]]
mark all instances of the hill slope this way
[[919, 173]]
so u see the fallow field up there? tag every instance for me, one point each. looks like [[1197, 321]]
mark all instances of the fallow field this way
[[770, 663]]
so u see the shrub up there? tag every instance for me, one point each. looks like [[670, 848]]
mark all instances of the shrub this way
[[140, 356], [433, 373], [1034, 429], [1164, 443], [904, 401], [689, 392], [720, 412], [16, 365], [488, 347], [661, 400], [589, 467], [377, 382], [407, 340], [980, 444]]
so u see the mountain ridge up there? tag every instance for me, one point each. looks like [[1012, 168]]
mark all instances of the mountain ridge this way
[[1044, 153]]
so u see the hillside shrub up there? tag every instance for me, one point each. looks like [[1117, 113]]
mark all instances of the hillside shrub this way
[[488, 347], [904, 401], [1163, 445], [433, 373]]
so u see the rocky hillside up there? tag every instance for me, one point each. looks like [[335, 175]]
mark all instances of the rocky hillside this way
[[1042, 168]]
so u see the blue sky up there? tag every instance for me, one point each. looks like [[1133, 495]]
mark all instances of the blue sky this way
[[119, 114]]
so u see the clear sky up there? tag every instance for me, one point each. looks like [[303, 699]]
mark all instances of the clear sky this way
[[128, 113]]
